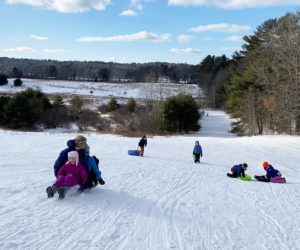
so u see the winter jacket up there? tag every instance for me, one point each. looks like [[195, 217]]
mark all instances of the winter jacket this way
[[143, 143], [197, 149], [239, 170], [71, 175], [63, 157], [271, 172]]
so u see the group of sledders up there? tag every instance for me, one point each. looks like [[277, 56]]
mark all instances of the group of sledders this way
[[75, 166], [272, 175]]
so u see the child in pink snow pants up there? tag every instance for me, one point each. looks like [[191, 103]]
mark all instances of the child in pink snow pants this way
[[69, 175]]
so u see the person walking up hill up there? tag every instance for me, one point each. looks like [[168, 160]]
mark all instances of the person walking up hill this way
[[142, 145]]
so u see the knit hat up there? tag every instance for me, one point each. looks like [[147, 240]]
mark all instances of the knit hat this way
[[74, 154], [80, 141], [197, 142], [265, 164]]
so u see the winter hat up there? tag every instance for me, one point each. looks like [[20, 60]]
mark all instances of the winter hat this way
[[197, 142], [265, 164], [245, 165], [73, 154], [80, 141]]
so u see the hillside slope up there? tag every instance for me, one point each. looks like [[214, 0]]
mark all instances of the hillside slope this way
[[161, 201]]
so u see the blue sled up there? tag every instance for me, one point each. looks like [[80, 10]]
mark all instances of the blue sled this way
[[134, 152]]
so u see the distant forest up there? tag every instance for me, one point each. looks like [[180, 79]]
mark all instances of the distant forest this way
[[98, 71], [210, 74]]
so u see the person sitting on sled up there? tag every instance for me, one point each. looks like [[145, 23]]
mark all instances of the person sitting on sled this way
[[272, 175], [197, 152], [238, 170], [143, 144], [79, 144], [70, 174]]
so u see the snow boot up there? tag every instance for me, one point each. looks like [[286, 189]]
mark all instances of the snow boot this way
[[62, 192], [101, 182], [51, 190], [232, 175]]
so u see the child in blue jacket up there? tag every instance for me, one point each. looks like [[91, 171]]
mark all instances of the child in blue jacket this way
[[197, 152], [238, 170]]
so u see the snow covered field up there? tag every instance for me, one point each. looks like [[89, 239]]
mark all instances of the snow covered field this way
[[161, 201], [104, 90]]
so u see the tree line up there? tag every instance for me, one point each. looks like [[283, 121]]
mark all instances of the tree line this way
[[263, 90], [98, 71]]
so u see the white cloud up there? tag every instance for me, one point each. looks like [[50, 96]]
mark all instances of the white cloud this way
[[54, 50], [21, 49], [128, 13], [234, 38], [139, 7], [67, 6], [38, 37], [184, 38], [140, 36], [222, 27], [234, 4], [185, 51]]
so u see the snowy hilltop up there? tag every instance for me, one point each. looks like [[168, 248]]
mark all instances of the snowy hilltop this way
[[160, 201]]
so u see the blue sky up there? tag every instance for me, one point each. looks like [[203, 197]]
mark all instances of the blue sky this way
[[180, 31]]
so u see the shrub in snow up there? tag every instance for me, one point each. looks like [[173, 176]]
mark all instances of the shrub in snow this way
[[3, 101], [91, 119], [18, 82], [76, 107], [180, 114], [25, 109], [3, 79], [57, 117], [58, 101], [131, 105], [113, 104]]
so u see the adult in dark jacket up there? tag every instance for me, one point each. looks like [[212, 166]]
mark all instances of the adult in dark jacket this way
[[63, 156], [79, 144], [143, 144]]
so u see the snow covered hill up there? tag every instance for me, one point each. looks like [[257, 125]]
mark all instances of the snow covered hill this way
[[161, 201]]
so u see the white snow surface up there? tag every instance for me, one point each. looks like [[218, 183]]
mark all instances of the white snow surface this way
[[160, 201]]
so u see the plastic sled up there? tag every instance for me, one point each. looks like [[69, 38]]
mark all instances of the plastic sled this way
[[278, 179], [246, 178], [194, 157], [134, 152]]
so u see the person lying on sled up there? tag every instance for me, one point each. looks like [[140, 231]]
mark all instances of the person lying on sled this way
[[238, 170], [272, 175]]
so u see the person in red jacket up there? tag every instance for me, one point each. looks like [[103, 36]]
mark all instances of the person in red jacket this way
[[70, 174]]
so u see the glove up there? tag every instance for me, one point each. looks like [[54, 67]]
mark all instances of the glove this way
[[201, 154], [101, 182]]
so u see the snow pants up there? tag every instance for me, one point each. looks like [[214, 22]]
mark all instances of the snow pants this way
[[233, 175], [142, 151], [93, 165], [197, 158], [68, 180], [261, 178]]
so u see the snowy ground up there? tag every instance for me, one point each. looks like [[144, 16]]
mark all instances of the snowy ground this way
[[161, 201], [99, 90]]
